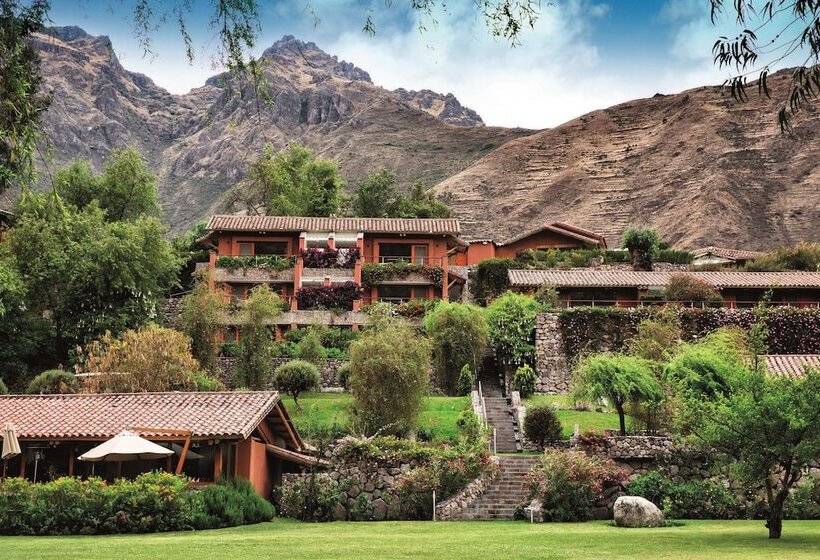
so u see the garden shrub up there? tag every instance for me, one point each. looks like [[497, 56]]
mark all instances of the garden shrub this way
[[230, 503], [804, 500], [693, 499], [333, 297], [469, 426], [310, 498], [229, 349], [569, 484], [54, 382], [466, 381], [688, 288], [416, 308], [803, 256], [253, 365], [541, 425], [200, 318], [547, 296], [707, 368], [490, 280], [524, 381], [458, 334], [642, 244], [205, 382], [343, 374], [673, 256], [374, 273], [310, 349], [295, 377]]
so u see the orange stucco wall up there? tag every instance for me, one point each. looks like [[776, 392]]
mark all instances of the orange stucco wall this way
[[436, 248], [252, 464], [229, 242]]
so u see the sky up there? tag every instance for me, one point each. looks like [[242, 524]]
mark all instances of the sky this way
[[582, 55]]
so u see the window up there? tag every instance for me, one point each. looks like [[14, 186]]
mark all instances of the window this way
[[271, 248], [245, 249], [420, 254], [391, 252], [402, 293]]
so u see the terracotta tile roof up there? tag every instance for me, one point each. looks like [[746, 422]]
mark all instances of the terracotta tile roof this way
[[583, 278], [219, 414], [726, 253], [436, 226], [561, 228], [791, 365]]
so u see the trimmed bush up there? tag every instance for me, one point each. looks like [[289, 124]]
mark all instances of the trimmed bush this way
[[295, 377], [569, 484], [687, 288], [694, 499], [311, 498], [541, 425], [54, 382], [466, 381], [230, 503], [490, 279], [524, 381]]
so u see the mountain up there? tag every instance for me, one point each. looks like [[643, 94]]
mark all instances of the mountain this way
[[200, 143], [700, 167]]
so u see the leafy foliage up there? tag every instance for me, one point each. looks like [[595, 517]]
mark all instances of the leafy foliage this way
[[524, 380], [570, 483], [22, 100], [547, 296], [255, 345], [292, 182], [3, 389], [687, 288], [490, 279], [656, 337], [201, 319], [373, 273], [695, 499], [315, 257], [310, 348], [271, 263], [767, 426], [150, 359], [310, 498], [511, 322], [458, 333], [295, 377], [54, 382], [803, 256], [229, 503], [642, 244], [620, 379], [335, 296], [466, 381], [389, 376], [541, 425]]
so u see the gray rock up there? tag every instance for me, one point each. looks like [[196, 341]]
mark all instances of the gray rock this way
[[635, 511], [379, 509]]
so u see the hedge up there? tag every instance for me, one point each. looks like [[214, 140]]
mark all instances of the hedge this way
[[335, 296], [153, 502], [373, 273], [271, 263], [596, 329]]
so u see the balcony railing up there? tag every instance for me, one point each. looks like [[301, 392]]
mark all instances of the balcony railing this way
[[688, 304], [424, 261]]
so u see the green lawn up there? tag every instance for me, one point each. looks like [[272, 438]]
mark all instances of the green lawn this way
[[695, 540], [586, 420], [322, 411]]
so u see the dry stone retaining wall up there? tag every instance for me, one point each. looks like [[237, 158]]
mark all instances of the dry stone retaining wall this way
[[551, 364], [329, 371]]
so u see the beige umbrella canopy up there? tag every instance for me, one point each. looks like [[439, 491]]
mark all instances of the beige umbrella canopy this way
[[126, 446], [11, 447]]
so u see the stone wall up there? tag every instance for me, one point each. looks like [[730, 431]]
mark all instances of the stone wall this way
[[551, 364], [329, 372], [454, 507], [168, 312]]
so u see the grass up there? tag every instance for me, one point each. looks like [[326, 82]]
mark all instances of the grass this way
[[694, 540], [323, 412], [587, 420]]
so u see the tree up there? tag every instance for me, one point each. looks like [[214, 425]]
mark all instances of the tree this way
[[458, 333], [12, 288], [787, 27], [54, 382], [255, 343], [490, 279], [126, 190], [466, 381], [688, 288], [642, 244], [21, 103], [658, 337], [421, 203], [525, 380], [88, 275], [295, 377], [767, 427], [376, 195], [201, 319], [145, 360], [389, 376], [310, 348], [541, 425], [617, 378], [292, 182], [511, 323]]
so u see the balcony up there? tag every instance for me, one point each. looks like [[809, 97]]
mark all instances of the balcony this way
[[254, 269], [417, 260], [402, 271]]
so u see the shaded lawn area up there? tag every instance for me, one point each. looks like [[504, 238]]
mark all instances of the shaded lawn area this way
[[329, 411], [587, 420], [695, 540]]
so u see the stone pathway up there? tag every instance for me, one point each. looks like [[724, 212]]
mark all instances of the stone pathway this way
[[500, 414]]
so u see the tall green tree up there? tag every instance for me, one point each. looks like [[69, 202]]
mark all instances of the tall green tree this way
[[376, 195], [458, 333], [642, 243], [292, 182], [511, 322], [21, 101], [766, 427], [201, 319], [87, 274], [126, 190], [254, 364]]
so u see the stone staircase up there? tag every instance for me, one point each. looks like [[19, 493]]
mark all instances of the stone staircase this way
[[502, 494], [500, 414]]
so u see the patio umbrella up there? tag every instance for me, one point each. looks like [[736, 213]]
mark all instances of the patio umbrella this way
[[126, 446], [11, 447]]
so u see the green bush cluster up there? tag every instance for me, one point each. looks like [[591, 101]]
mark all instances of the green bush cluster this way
[[490, 279], [271, 263], [524, 380], [373, 273], [541, 425], [694, 499], [152, 502], [54, 382]]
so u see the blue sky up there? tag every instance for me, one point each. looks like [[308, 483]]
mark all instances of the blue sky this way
[[582, 55]]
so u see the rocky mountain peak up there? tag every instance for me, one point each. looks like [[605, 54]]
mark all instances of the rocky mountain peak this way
[[308, 55]]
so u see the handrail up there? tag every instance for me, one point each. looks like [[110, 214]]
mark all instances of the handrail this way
[[483, 404], [386, 259]]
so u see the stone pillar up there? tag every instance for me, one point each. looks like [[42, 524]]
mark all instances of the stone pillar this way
[[551, 364]]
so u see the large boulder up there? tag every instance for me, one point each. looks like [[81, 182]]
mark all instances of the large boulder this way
[[634, 511]]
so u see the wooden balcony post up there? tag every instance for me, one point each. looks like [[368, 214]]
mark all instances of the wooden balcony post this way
[[297, 270], [331, 241], [357, 269]]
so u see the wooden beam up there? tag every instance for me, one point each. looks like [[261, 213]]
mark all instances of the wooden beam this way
[[71, 461], [297, 442], [183, 455], [218, 462], [294, 457], [267, 434], [22, 462]]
